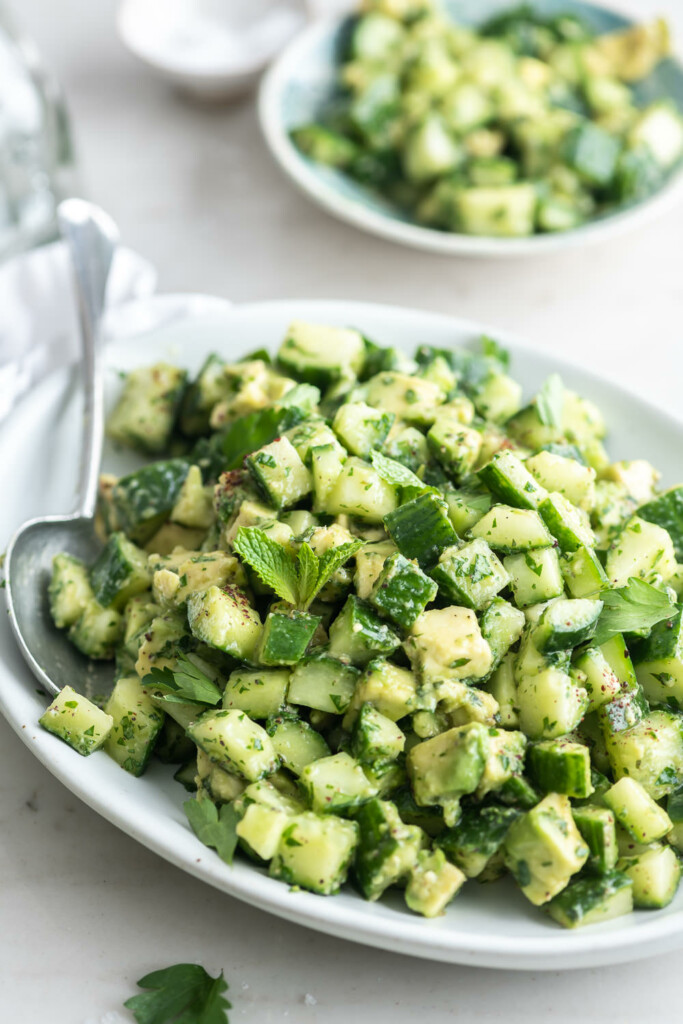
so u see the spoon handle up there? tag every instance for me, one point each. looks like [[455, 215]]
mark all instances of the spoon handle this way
[[91, 237]]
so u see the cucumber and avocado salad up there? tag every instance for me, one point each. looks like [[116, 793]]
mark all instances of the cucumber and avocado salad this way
[[412, 628], [523, 124]]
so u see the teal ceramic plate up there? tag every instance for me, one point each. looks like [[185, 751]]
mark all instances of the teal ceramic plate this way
[[304, 79]]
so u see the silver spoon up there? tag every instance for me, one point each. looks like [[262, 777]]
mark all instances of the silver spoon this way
[[91, 237]]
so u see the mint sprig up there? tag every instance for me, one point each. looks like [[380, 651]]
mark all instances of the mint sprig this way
[[295, 576]]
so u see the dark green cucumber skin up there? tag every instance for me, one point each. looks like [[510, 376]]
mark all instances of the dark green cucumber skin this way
[[376, 844], [594, 824], [587, 893], [111, 571], [557, 770], [507, 493], [665, 641], [592, 153], [143, 499], [569, 637], [518, 792], [363, 744], [287, 636], [421, 529], [674, 806], [446, 577], [564, 536], [173, 745], [666, 510], [480, 830], [429, 819], [186, 776], [402, 591], [361, 634], [194, 420]]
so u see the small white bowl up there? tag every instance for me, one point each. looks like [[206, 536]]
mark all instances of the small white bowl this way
[[215, 51]]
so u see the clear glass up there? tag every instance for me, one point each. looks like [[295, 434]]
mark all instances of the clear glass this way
[[36, 153]]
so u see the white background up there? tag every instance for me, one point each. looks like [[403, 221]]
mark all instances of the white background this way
[[84, 910]]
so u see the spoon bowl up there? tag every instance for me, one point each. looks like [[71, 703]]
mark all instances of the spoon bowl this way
[[91, 237]]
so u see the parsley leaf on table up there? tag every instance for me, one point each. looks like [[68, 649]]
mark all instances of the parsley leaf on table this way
[[550, 401], [189, 685], [628, 609], [180, 994], [214, 827]]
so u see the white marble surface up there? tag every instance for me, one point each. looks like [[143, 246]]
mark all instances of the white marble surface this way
[[85, 910]]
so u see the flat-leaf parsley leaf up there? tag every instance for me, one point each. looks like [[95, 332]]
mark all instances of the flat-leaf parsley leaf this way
[[180, 994]]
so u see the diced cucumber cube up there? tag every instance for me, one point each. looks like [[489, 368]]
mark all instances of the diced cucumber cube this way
[[592, 153], [593, 900], [566, 623], [666, 510], [402, 590], [430, 151], [412, 399], [506, 476], [560, 766], [97, 631], [597, 826], [279, 473], [582, 572], [544, 848], [387, 848], [136, 724], [376, 738], [433, 883], [454, 446], [142, 500], [422, 529], [535, 576], [259, 694], [636, 811], [359, 491], [77, 721], [336, 783], [566, 476], [549, 703], [144, 415], [505, 211], [323, 683], [286, 636], [389, 688], [659, 662], [69, 590], [223, 618], [568, 524], [261, 829], [503, 689], [642, 549], [501, 626], [655, 874], [319, 354], [593, 671], [650, 752], [511, 530], [296, 743], [361, 428], [120, 572], [478, 835], [315, 852], [660, 129], [358, 634], [465, 509], [236, 743], [470, 575]]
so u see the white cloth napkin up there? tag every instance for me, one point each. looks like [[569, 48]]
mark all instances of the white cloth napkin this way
[[38, 317]]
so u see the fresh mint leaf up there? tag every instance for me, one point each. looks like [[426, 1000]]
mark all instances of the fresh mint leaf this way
[[333, 560], [493, 350], [272, 562], [187, 683], [215, 828], [308, 571], [180, 994], [399, 476], [550, 401], [628, 609]]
